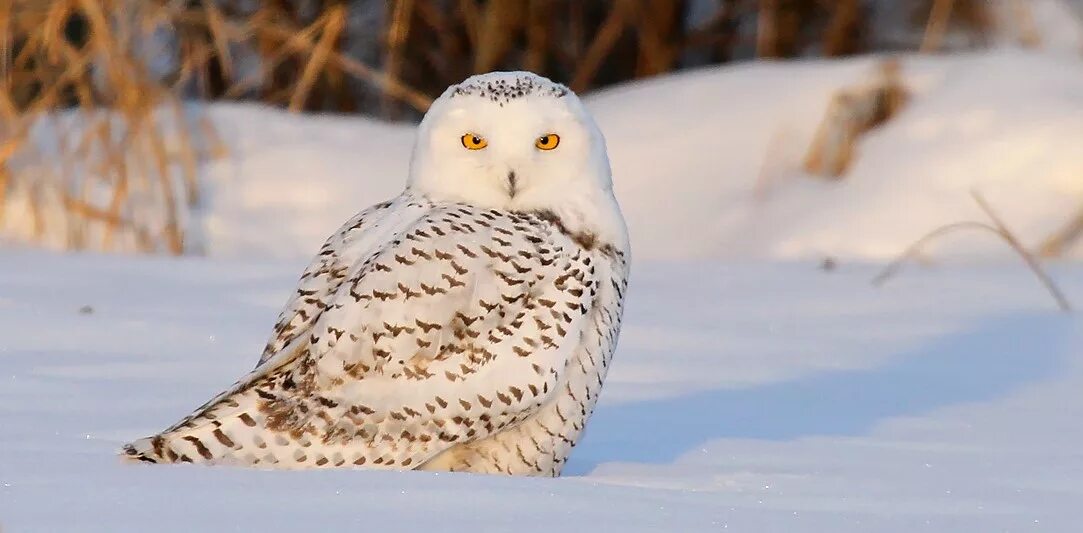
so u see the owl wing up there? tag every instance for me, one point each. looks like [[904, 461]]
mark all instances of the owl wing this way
[[461, 326], [323, 277]]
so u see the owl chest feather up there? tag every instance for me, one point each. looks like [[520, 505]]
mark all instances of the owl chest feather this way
[[542, 443]]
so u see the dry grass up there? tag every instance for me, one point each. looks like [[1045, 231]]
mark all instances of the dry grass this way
[[97, 150], [1060, 241], [96, 153], [971, 20], [853, 111], [592, 43], [997, 227]]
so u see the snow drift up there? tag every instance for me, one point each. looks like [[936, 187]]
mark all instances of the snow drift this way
[[706, 163]]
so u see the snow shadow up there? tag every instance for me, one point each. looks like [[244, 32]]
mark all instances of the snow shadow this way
[[981, 364]]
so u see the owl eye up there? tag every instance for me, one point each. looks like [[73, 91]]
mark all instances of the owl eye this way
[[547, 141], [473, 141]]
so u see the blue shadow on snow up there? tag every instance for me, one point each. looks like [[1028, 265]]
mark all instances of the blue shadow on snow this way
[[977, 365]]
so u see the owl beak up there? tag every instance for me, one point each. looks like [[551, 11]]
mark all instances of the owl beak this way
[[512, 184]]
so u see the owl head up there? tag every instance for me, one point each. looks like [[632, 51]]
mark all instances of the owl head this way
[[511, 140]]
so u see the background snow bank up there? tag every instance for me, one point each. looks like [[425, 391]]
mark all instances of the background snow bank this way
[[707, 163]]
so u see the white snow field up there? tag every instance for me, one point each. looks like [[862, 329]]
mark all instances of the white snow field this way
[[752, 390], [751, 396]]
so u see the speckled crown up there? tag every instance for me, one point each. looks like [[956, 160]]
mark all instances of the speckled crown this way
[[503, 87]]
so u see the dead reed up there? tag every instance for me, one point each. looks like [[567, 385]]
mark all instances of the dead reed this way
[[852, 112], [995, 226], [97, 152], [98, 149]]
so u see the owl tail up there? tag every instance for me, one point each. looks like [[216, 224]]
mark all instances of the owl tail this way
[[223, 431], [228, 429], [177, 447]]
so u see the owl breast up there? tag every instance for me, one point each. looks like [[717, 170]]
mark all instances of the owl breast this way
[[541, 444]]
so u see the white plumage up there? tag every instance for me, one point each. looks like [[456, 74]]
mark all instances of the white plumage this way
[[466, 325]]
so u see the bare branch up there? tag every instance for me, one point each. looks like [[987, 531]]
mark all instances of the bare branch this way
[[999, 229]]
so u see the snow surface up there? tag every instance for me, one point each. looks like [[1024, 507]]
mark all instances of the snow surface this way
[[753, 396], [713, 156]]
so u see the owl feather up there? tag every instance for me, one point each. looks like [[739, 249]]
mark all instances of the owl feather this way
[[464, 324]]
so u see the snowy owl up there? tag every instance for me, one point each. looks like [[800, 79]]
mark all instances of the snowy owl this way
[[466, 325]]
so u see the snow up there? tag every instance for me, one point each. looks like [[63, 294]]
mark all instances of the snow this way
[[752, 390], [1057, 24], [716, 154], [764, 396]]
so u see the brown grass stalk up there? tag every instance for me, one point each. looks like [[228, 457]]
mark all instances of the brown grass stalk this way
[[331, 27], [1072, 231], [996, 227], [397, 33], [937, 25], [599, 48], [107, 179]]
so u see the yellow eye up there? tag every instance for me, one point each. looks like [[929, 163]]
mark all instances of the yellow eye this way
[[473, 141], [547, 141]]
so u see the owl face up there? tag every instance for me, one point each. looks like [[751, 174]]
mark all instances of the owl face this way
[[510, 141]]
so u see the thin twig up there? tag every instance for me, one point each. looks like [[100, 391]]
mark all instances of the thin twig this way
[[604, 40], [915, 248], [332, 25], [998, 228], [291, 39], [397, 33], [1057, 243], [937, 25], [1022, 251], [767, 29]]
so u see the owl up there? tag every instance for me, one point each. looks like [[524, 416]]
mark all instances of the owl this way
[[466, 325]]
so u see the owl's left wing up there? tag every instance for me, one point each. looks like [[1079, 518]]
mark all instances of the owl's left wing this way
[[323, 277], [462, 326]]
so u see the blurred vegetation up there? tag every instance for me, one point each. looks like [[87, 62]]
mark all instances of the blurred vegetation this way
[[99, 149], [390, 57]]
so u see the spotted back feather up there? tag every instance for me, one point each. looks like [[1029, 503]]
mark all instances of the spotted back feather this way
[[433, 335]]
